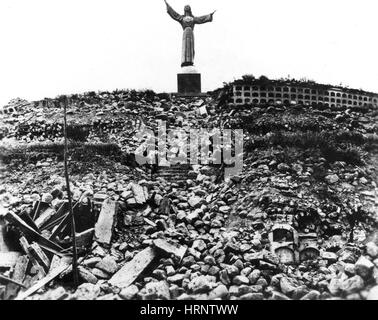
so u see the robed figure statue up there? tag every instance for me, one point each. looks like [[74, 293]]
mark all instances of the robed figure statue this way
[[188, 21]]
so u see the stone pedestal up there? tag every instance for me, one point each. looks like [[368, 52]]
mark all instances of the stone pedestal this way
[[189, 81]]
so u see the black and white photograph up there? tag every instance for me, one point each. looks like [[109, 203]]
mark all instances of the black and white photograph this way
[[190, 157]]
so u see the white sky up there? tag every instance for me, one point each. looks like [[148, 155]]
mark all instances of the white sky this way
[[51, 47]]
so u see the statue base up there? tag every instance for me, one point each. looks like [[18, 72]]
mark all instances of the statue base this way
[[189, 81]]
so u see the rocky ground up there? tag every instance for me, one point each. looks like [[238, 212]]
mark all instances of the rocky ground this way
[[312, 169]]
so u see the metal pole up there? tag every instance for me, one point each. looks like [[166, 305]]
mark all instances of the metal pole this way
[[73, 228]]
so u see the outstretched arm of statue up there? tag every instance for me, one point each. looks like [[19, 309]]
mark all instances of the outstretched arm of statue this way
[[174, 15], [204, 19]]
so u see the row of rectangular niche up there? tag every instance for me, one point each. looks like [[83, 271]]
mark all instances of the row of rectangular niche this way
[[297, 90]]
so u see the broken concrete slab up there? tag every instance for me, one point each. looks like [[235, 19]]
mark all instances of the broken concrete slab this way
[[106, 221], [132, 269], [139, 193], [170, 248]]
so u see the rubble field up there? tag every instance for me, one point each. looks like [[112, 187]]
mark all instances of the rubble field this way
[[299, 222]]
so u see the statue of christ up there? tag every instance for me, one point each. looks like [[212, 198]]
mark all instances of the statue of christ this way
[[188, 21]]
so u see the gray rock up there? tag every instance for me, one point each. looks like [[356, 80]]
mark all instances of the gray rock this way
[[129, 292], [373, 294], [252, 296], [156, 290], [220, 292], [159, 274], [364, 267], [86, 275], [200, 284], [209, 260], [47, 197], [108, 265], [239, 280], [332, 178], [224, 278], [283, 167], [199, 245], [254, 276], [87, 291], [352, 285], [232, 270], [100, 274], [334, 286], [195, 202], [188, 261], [329, 256], [279, 296], [213, 270], [372, 249], [287, 286], [177, 278], [312, 295], [170, 271]]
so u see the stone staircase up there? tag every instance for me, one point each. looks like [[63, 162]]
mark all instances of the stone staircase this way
[[177, 173]]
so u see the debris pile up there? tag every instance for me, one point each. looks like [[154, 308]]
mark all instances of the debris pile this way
[[296, 224]]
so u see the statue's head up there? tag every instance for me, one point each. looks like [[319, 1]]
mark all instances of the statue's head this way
[[188, 10]]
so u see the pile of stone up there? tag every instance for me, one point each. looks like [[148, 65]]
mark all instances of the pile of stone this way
[[203, 238]]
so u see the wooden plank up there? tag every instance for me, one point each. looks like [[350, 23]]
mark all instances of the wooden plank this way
[[3, 230], [38, 207], [62, 222], [60, 227], [18, 222], [26, 247], [26, 217], [2, 292], [9, 280], [44, 217], [60, 214], [20, 268], [106, 221], [18, 276], [40, 256], [8, 259], [52, 251], [41, 283], [132, 269]]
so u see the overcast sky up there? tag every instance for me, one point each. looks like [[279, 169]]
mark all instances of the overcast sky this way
[[51, 47]]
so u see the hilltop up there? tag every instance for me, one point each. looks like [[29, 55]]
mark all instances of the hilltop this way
[[309, 169]]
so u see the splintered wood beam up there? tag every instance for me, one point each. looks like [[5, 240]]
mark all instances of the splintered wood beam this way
[[26, 217], [58, 217], [44, 217], [41, 283], [133, 269], [40, 256], [8, 280], [18, 276], [30, 232], [63, 223], [26, 247]]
